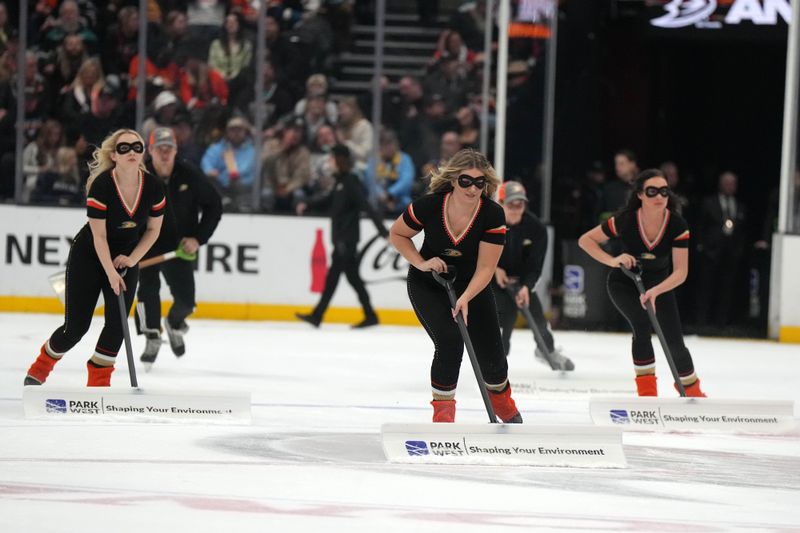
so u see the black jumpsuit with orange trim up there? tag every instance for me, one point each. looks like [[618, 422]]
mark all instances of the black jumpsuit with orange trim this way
[[430, 301], [656, 260], [85, 277]]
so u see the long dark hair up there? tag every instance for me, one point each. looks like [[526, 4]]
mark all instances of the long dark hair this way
[[634, 203], [239, 36]]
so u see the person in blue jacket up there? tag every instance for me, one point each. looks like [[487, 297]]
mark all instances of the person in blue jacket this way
[[231, 163], [390, 178]]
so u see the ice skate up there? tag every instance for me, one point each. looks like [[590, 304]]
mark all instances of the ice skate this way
[[646, 385], [557, 360], [504, 406], [693, 390], [41, 368], [175, 336], [98, 376], [150, 352], [444, 411]]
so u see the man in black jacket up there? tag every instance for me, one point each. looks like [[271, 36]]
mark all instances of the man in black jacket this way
[[519, 268], [721, 243], [346, 202], [193, 211]]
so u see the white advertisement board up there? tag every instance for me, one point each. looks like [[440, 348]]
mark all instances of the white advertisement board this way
[[693, 414], [504, 444], [250, 259], [128, 404]]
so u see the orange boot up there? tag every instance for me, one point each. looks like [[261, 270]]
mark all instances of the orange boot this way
[[444, 410], [504, 406], [41, 368], [99, 376], [646, 385], [693, 390]]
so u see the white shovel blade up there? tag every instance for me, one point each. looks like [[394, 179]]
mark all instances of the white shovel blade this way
[[127, 404], [571, 384], [693, 414], [504, 444]]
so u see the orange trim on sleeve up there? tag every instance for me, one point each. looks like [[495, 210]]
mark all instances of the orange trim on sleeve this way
[[160, 205], [501, 230], [91, 202], [683, 236], [413, 217], [612, 226]]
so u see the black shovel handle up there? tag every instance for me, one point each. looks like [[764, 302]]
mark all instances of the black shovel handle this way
[[126, 332], [446, 281], [635, 274], [512, 289]]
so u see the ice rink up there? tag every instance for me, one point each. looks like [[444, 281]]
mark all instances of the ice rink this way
[[312, 458]]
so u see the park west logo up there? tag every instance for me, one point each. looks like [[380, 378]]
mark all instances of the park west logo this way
[[637, 417], [417, 447], [440, 448], [708, 14], [447, 448], [85, 407], [619, 416], [55, 406]]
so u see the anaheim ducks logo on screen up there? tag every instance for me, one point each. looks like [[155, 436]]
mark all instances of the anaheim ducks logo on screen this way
[[449, 252], [715, 14], [681, 13], [128, 224]]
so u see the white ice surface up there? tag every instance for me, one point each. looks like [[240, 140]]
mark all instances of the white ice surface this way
[[312, 459]]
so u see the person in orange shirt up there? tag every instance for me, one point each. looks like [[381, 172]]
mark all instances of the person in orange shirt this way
[[160, 71], [201, 85]]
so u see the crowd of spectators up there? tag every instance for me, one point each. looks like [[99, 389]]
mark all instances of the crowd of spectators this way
[[80, 81], [82, 64]]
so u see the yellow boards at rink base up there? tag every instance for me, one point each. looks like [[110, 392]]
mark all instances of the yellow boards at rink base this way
[[504, 444], [693, 414], [136, 404]]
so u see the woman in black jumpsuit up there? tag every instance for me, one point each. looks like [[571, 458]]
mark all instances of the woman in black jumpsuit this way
[[651, 232], [124, 206], [465, 228]]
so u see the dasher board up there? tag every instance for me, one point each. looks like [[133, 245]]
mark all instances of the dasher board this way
[[128, 404], [693, 414], [571, 384], [504, 444]]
